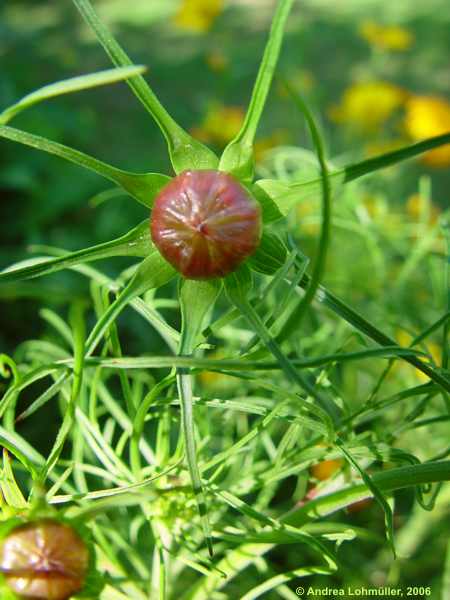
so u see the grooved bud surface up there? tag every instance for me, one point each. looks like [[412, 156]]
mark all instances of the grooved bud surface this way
[[44, 560], [205, 224]]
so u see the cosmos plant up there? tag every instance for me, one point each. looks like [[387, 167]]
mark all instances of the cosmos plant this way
[[215, 229]]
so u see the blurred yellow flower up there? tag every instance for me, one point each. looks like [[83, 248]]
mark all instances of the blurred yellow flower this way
[[367, 105], [307, 213], [427, 116], [404, 339], [419, 206], [214, 381], [277, 138], [198, 15], [220, 125], [386, 37], [375, 206]]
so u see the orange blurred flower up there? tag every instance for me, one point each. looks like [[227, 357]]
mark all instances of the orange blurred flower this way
[[326, 468]]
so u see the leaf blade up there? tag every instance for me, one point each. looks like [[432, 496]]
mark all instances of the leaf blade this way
[[68, 86], [184, 150], [142, 186], [237, 157]]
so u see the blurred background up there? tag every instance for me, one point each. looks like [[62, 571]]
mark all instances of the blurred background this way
[[375, 73]]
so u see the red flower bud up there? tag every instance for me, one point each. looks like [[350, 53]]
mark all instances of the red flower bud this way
[[205, 224], [44, 560]]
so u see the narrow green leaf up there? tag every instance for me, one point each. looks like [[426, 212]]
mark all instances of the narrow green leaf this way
[[371, 165], [197, 299], [11, 491], [43, 398], [137, 242], [237, 287], [389, 518], [67, 86], [276, 526], [318, 267], [108, 493], [109, 499], [270, 254], [142, 186], [364, 326], [185, 152], [79, 334], [237, 157], [224, 365], [269, 209], [286, 196], [139, 421], [22, 450], [386, 481], [152, 273], [277, 580]]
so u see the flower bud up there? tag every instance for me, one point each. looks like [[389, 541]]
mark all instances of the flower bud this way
[[205, 224], [44, 560]]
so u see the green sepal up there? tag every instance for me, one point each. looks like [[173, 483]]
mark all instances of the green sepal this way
[[68, 86], [197, 298], [136, 242], [269, 210], [238, 157], [238, 285], [185, 151], [141, 186], [269, 256]]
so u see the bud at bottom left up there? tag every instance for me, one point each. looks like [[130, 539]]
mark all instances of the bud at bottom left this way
[[44, 560]]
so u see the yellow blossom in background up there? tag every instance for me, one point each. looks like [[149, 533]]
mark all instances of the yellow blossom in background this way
[[386, 37], [367, 105], [263, 145], [198, 15], [214, 381], [375, 206], [383, 146], [404, 339], [427, 116], [308, 217], [220, 125], [419, 206]]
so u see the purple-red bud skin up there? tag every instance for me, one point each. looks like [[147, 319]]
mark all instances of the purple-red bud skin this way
[[205, 224], [44, 560]]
